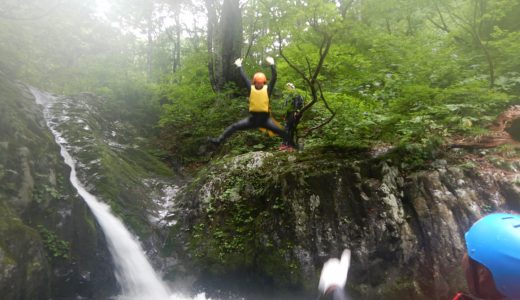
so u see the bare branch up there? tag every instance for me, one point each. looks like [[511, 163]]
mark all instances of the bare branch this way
[[310, 130], [461, 22], [325, 101], [327, 121], [440, 26], [309, 68], [324, 50], [253, 38], [343, 8], [441, 17], [293, 66], [312, 81]]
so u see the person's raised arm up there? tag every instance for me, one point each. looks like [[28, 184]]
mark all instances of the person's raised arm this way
[[334, 277], [272, 82], [238, 63]]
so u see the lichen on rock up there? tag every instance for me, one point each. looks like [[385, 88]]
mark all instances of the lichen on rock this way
[[267, 217]]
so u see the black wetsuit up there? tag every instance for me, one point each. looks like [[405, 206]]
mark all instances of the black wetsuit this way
[[335, 294], [292, 116], [256, 119]]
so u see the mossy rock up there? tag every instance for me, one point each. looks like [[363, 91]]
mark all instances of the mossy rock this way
[[26, 270], [48, 263], [246, 223]]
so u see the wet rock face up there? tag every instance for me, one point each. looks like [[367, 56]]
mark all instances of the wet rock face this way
[[112, 165], [110, 160], [25, 270], [283, 220], [48, 238]]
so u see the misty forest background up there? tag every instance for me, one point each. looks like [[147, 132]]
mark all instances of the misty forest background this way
[[411, 73]]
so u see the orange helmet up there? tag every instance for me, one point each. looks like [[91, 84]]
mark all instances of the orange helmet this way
[[259, 78]]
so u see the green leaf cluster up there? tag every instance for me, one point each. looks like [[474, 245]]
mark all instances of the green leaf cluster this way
[[56, 247]]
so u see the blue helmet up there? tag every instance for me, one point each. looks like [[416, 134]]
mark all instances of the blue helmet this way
[[494, 241]]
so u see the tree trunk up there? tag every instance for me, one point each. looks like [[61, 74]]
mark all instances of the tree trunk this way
[[480, 9], [212, 25], [490, 62], [149, 51], [224, 43], [177, 43], [231, 43]]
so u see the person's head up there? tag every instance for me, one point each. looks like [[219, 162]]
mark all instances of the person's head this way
[[259, 80], [492, 263]]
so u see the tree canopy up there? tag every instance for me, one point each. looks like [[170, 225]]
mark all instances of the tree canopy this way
[[401, 72]]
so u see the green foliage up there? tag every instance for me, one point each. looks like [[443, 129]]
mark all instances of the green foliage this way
[[392, 77], [134, 102], [398, 71], [56, 247], [353, 125], [64, 50], [46, 192], [191, 112]]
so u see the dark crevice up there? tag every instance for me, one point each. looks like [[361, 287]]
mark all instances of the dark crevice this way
[[514, 129]]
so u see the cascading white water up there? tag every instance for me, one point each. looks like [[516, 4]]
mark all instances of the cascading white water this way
[[133, 272]]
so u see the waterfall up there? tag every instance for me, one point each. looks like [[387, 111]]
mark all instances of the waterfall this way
[[134, 273]]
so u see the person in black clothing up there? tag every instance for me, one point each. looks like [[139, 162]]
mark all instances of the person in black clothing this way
[[293, 113], [259, 108]]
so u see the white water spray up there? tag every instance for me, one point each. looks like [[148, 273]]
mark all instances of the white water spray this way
[[133, 272]]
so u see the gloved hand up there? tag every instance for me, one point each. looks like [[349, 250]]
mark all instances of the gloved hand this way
[[334, 272], [238, 62], [269, 60]]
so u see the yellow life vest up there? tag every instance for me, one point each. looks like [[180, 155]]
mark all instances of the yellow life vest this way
[[259, 100], [269, 132]]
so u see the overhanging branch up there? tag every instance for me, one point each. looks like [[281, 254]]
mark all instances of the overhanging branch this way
[[327, 121]]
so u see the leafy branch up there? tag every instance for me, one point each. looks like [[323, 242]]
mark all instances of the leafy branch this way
[[311, 77]]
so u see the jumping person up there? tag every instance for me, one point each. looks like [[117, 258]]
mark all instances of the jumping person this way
[[334, 277], [259, 108], [492, 260]]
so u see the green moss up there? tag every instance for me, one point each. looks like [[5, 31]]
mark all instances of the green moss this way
[[138, 224], [400, 288], [34, 266], [7, 260], [172, 241], [17, 241], [279, 264], [241, 225], [149, 162], [249, 221], [119, 182]]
